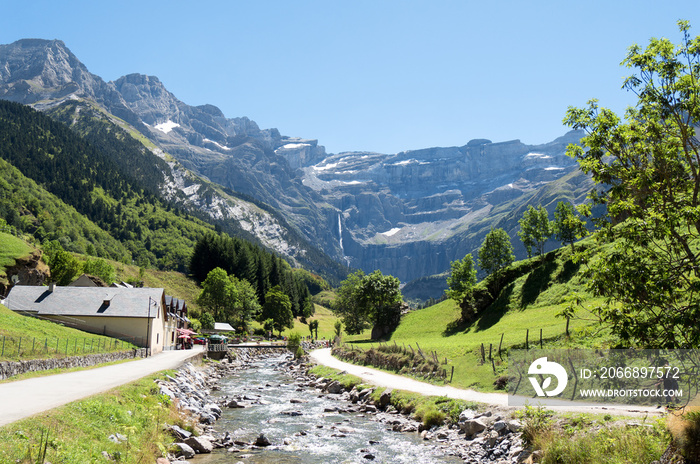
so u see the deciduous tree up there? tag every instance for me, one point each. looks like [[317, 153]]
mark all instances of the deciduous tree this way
[[535, 229], [278, 307], [568, 225], [369, 300], [496, 252], [460, 284], [647, 171]]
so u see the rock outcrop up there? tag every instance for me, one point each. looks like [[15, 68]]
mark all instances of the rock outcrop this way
[[28, 270]]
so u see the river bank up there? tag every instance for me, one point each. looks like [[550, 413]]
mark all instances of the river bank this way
[[322, 412]]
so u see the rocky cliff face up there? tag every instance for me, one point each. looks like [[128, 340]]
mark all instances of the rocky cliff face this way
[[409, 213]]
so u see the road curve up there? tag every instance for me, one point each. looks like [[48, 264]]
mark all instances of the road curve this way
[[25, 398], [384, 379]]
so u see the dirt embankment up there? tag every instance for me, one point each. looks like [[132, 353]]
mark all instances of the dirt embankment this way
[[30, 270]]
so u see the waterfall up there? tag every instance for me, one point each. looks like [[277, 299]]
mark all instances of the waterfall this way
[[340, 236], [340, 242]]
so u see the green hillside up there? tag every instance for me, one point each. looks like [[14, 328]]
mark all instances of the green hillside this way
[[29, 209], [533, 292], [151, 230]]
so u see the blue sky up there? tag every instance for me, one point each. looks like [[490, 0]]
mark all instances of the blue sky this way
[[376, 75]]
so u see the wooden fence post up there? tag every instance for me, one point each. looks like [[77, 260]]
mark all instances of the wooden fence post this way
[[527, 335], [540, 338], [452, 373], [490, 348], [483, 355], [499, 347]]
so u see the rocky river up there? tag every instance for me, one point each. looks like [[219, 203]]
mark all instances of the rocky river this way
[[264, 407]]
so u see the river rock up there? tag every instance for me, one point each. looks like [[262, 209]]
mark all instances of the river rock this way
[[499, 426], [472, 427], [515, 426], [200, 445], [180, 433], [186, 450], [334, 387], [466, 415], [262, 441], [385, 398]]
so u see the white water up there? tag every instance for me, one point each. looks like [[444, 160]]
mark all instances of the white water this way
[[315, 435]]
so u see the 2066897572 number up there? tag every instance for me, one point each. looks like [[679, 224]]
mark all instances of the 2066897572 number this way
[[638, 372]]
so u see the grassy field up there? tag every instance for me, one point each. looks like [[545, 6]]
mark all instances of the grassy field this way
[[24, 337]]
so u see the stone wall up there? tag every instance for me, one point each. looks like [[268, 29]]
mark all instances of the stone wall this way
[[10, 368]]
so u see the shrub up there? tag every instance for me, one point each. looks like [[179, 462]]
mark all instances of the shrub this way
[[433, 417], [294, 345]]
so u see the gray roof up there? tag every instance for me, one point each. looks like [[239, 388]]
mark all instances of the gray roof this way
[[223, 326], [86, 301]]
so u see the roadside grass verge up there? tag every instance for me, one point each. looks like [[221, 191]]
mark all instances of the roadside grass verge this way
[[592, 439], [80, 431], [431, 410]]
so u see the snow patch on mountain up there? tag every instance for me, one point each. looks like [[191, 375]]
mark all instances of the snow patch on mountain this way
[[166, 127]]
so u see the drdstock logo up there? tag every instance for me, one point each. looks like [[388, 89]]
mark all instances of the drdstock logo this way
[[580, 377], [549, 368]]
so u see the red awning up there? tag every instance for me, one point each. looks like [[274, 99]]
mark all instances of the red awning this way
[[186, 331]]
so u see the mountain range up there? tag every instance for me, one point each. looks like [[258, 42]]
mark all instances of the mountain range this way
[[408, 214]]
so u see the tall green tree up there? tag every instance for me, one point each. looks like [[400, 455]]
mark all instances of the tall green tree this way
[[647, 173], [219, 295], [496, 252], [372, 300], [246, 306], [313, 326], [535, 229], [278, 307], [568, 225], [460, 285], [348, 304]]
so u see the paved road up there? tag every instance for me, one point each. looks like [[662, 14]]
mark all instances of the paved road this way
[[25, 398], [384, 379]]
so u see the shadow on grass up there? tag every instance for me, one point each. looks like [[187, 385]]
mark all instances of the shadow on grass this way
[[487, 318], [537, 282], [569, 270], [496, 310]]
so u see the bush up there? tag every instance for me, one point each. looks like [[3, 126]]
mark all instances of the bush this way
[[294, 345], [433, 417]]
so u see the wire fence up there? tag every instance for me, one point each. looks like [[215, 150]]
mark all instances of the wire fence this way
[[31, 347]]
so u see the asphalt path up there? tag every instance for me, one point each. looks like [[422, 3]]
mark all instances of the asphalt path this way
[[398, 382], [25, 398]]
